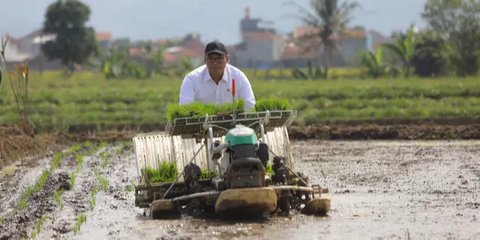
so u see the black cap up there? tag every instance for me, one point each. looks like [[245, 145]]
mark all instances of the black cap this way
[[215, 47]]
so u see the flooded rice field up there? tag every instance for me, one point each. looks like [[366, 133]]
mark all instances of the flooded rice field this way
[[378, 189]]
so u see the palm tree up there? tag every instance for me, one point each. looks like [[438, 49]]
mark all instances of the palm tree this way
[[329, 18], [404, 48]]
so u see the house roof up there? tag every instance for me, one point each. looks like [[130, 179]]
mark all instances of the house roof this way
[[176, 53], [103, 36], [356, 33]]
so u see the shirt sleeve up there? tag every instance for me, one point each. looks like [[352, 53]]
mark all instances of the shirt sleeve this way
[[187, 91], [246, 93]]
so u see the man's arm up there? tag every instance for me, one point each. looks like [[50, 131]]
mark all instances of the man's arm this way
[[187, 91]]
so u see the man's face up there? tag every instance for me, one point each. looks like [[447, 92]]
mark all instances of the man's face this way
[[216, 63]]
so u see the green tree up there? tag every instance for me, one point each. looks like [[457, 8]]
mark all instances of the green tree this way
[[404, 48], [74, 42], [373, 62], [431, 56], [459, 23], [330, 18]]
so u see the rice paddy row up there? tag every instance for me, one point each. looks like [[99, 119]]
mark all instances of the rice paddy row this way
[[88, 99]]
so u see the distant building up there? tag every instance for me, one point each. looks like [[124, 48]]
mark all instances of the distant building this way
[[104, 39], [299, 52], [28, 48], [190, 47], [260, 47]]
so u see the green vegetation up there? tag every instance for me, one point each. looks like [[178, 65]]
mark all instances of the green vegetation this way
[[57, 196], [101, 185], [272, 104], [373, 62], [78, 222], [38, 226], [87, 99], [74, 42], [57, 158], [33, 189], [207, 174], [129, 187], [328, 17], [197, 109], [166, 172], [104, 156], [269, 169]]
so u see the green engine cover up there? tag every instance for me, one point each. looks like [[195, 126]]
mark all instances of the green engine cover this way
[[241, 135]]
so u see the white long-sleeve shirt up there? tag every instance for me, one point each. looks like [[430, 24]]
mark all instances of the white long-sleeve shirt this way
[[198, 86]]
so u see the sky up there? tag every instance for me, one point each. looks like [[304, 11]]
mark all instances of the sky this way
[[212, 19]]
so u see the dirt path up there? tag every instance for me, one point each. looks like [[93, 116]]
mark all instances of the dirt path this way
[[379, 189]]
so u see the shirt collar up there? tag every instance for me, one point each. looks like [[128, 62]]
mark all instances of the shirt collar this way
[[207, 77]]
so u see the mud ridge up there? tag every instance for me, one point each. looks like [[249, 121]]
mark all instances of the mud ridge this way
[[15, 226]]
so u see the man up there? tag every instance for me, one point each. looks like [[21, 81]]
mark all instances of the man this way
[[215, 81]]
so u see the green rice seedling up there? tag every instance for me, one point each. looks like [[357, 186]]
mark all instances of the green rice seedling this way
[[22, 204], [101, 180], [167, 172], [33, 189], [75, 148], [88, 144], [57, 196], [57, 158], [269, 170], [79, 159], [92, 202], [198, 109], [272, 104], [129, 188], [104, 156], [103, 144], [206, 174], [228, 108], [73, 177], [38, 226], [78, 222], [176, 111]]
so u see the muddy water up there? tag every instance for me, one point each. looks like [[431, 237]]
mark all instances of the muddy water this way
[[379, 189]]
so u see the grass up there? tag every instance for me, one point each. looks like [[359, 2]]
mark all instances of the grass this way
[[166, 172], [87, 99], [78, 222]]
